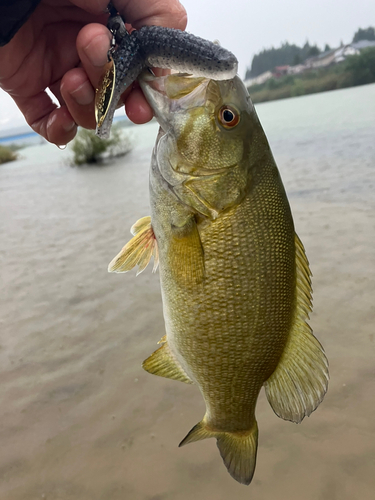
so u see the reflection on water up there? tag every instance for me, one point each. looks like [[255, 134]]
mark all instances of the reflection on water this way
[[79, 419]]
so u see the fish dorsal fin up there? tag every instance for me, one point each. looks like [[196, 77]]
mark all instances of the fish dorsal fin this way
[[138, 250], [300, 381], [162, 363]]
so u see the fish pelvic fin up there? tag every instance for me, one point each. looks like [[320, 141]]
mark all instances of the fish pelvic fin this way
[[162, 363], [300, 381], [237, 449], [139, 250]]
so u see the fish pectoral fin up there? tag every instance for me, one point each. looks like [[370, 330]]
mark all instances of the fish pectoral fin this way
[[162, 363], [299, 383], [237, 449], [186, 255], [138, 250], [141, 225]]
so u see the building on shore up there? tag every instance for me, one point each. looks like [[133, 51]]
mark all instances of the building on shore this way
[[338, 55], [280, 71], [320, 61], [363, 44], [258, 80], [296, 70]]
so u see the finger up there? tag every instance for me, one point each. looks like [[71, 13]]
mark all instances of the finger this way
[[93, 42], [161, 71], [95, 7], [79, 96], [54, 124], [55, 89], [168, 13], [137, 108]]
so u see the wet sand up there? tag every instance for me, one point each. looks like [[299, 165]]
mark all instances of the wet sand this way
[[80, 419]]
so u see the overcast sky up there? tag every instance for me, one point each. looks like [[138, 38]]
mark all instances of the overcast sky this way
[[247, 26]]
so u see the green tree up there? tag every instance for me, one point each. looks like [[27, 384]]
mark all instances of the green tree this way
[[296, 60], [364, 34], [6, 154], [88, 148], [313, 51], [362, 67]]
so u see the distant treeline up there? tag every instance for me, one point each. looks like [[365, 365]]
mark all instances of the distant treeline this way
[[287, 54], [355, 70], [290, 54], [364, 34]]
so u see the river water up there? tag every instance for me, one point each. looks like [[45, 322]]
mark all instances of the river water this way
[[79, 419]]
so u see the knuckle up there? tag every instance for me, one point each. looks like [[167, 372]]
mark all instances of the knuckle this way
[[170, 13], [180, 16]]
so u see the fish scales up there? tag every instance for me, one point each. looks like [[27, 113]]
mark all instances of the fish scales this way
[[244, 289], [235, 280]]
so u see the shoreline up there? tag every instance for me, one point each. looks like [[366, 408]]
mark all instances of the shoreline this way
[[355, 71]]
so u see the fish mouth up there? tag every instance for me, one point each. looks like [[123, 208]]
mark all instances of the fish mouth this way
[[171, 94]]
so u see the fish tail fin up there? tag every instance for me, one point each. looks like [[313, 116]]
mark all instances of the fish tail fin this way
[[239, 452], [197, 433], [237, 449]]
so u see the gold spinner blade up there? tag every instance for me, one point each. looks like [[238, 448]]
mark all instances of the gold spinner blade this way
[[104, 92]]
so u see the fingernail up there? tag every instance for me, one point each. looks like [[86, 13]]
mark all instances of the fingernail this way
[[84, 95], [96, 50], [69, 126]]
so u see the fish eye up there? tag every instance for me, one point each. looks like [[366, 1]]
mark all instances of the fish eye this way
[[229, 117]]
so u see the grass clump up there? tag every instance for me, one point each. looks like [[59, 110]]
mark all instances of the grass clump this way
[[89, 149], [16, 146], [7, 154]]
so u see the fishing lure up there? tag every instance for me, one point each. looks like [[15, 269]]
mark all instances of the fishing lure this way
[[153, 46]]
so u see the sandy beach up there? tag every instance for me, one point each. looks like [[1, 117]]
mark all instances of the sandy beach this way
[[81, 420]]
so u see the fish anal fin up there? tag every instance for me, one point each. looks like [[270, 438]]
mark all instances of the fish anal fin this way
[[237, 449], [138, 251], [300, 381], [186, 255], [162, 363]]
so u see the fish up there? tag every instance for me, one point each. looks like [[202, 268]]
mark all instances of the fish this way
[[235, 279], [153, 46]]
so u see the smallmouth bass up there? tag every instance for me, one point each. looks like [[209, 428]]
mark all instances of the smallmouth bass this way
[[234, 276]]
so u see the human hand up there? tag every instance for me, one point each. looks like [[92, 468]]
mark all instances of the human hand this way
[[63, 46]]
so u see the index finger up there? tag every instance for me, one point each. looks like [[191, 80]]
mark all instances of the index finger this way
[[168, 13]]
